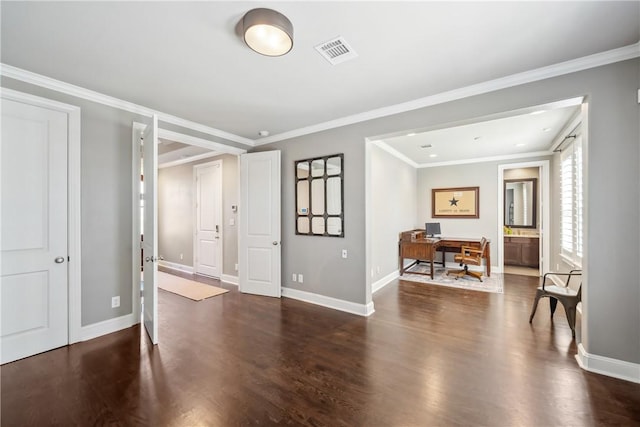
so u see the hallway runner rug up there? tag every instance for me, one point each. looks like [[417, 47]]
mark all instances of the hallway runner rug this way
[[187, 288], [492, 284]]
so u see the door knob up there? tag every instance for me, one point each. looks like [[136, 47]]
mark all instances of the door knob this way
[[275, 243], [147, 259], [59, 260]]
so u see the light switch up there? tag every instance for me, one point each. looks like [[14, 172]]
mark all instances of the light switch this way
[[232, 221]]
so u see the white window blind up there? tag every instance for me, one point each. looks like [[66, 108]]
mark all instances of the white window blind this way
[[571, 202]]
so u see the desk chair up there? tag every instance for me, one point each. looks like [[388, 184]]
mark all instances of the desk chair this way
[[469, 255], [569, 294]]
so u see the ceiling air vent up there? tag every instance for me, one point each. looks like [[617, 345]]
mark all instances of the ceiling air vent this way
[[336, 51]]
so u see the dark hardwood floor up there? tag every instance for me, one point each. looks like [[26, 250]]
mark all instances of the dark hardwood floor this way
[[429, 356]]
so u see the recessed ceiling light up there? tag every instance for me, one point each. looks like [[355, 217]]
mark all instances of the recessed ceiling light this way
[[433, 155], [426, 146], [411, 134], [537, 112], [263, 133], [522, 144], [546, 129]]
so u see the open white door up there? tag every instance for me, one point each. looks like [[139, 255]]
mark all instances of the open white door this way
[[34, 283], [149, 243], [259, 240]]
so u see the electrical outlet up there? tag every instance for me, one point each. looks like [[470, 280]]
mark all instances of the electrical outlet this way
[[344, 253], [300, 279], [294, 277], [115, 302]]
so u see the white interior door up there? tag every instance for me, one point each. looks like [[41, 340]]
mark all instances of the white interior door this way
[[259, 240], [149, 242], [208, 230], [34, 287]]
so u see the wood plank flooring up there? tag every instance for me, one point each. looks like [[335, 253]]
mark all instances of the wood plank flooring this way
[[429, 356]]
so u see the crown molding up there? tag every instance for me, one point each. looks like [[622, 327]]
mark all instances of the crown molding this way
[[395, 153], [559, 69], [486, 159], [35, 79]]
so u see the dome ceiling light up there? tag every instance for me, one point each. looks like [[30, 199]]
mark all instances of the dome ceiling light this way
[[267, 32]]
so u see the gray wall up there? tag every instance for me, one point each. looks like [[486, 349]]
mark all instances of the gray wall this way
[[106, 204], [613, 197], [319, 258], [175, 212], [483, 175], [612, 283], [394, 209]]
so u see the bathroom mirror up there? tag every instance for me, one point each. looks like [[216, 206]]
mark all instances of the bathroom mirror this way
[[520, 202], [320, 196]]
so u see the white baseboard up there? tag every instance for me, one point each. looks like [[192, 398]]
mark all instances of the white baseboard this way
[[379, 284], [99, 329], [227, 278], [329, 302], [607, 366], [176, 266]]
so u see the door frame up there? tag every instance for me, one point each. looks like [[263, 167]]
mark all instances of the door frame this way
[[545, 229], [220, 212], [74, 241], [136, 129]]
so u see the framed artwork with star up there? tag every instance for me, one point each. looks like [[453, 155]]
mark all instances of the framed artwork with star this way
[[461, 202]]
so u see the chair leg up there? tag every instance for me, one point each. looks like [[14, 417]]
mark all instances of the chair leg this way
[[553, 303], [570, 311], [535, 305]]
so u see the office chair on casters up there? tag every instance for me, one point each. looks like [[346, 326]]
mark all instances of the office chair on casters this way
[[568, 294], [469, 255]]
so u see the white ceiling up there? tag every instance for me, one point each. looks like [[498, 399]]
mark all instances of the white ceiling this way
[[186, 58], [532, 131]]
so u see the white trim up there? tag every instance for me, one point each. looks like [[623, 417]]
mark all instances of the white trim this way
[[381, 283], [329, 302], [176, 266], [188, 160], [488, 159], [105, 327], [74, 230], [227, 278], [100, 98], [559, 69], [199, 142], [389, 149], [608, 366]]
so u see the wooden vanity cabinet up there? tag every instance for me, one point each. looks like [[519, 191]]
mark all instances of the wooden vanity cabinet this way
[[521, 251]]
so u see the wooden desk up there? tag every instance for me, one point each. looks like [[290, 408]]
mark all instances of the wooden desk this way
[[415, 245]]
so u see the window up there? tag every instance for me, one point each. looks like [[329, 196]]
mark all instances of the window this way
[[571, 202]]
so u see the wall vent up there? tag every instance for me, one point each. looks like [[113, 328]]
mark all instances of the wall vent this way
[[336, 51]]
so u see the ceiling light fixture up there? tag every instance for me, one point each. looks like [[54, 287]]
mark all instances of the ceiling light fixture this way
[[521, 144], [411, 134], [433, 155], [267, 32]]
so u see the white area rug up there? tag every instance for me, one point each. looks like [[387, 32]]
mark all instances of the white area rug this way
[[187, 288], [489, 284]]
